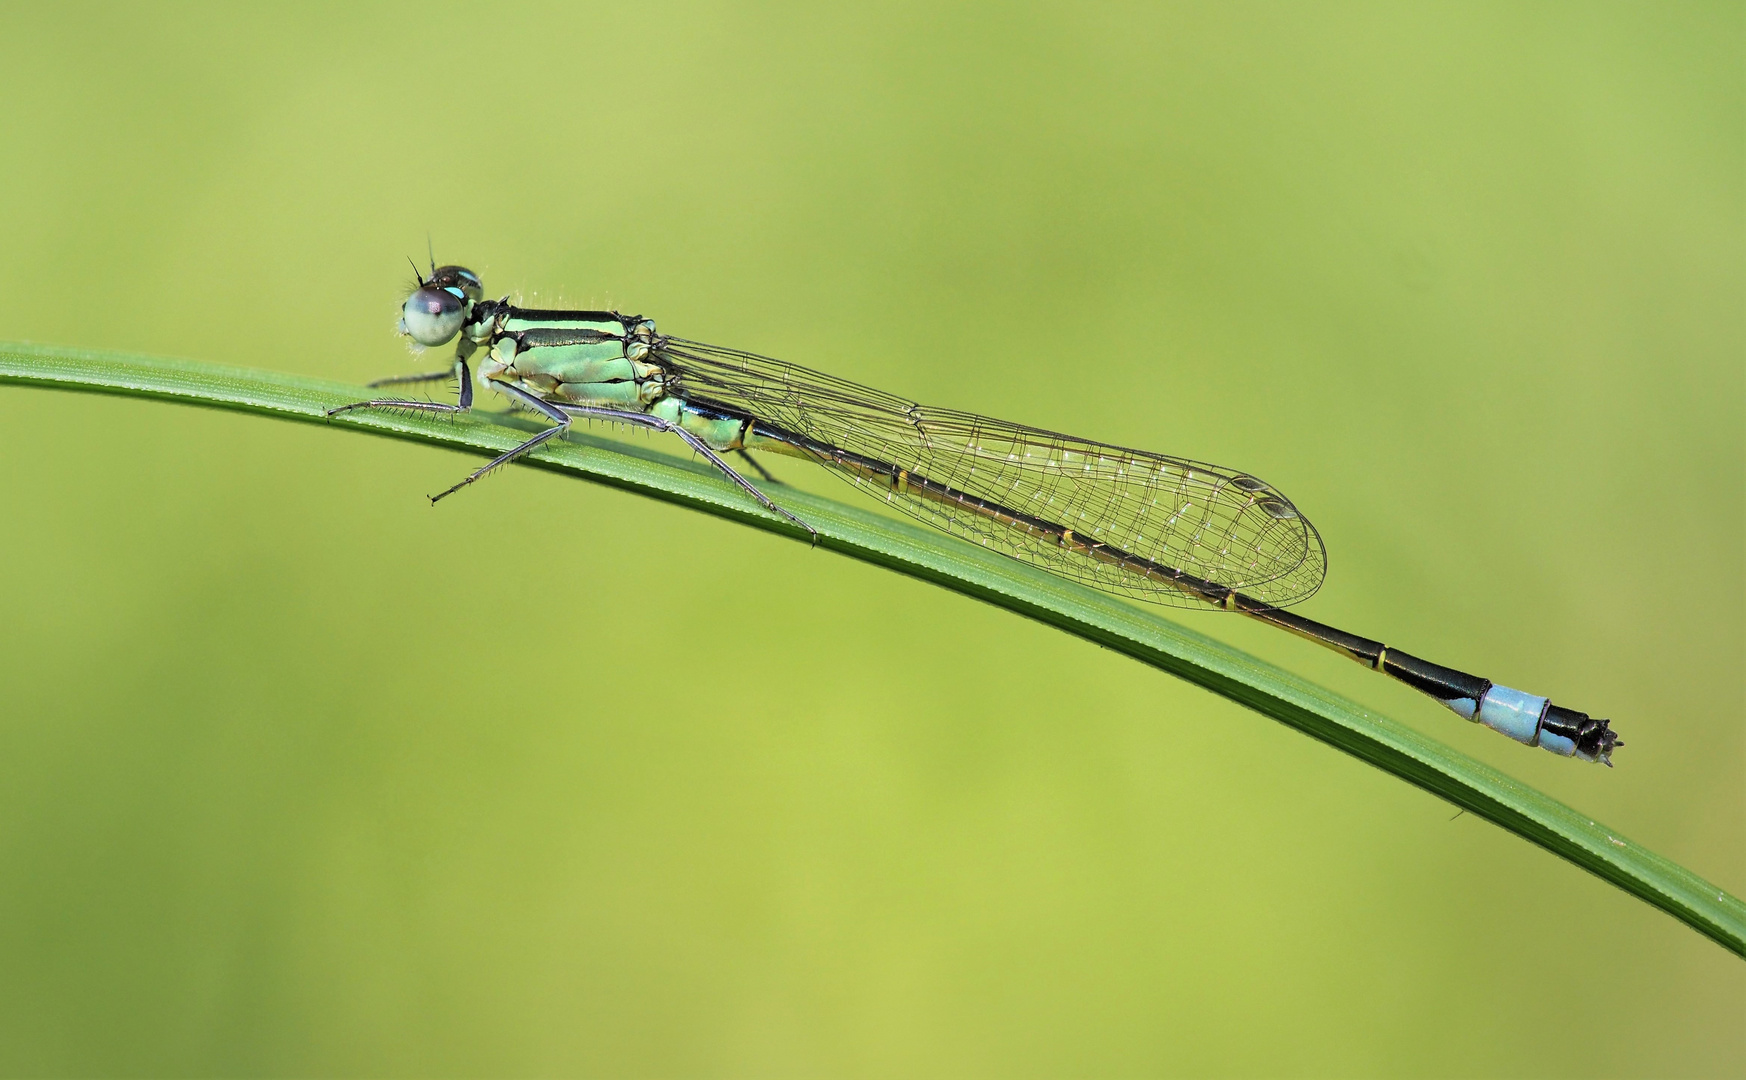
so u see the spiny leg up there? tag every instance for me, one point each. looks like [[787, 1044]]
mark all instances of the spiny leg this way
[[657, 424], [464, 404], [551, 412], [561, 416], [400, 403], [716, 459]]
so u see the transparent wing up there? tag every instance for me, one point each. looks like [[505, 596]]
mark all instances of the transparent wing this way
[[1222, 527]]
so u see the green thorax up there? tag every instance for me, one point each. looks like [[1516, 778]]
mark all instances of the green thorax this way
[[596, 358]]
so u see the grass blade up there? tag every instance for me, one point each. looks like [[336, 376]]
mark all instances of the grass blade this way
[[963, 568]]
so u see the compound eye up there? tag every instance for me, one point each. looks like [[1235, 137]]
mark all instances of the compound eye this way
[[457, 277], [432, 316]]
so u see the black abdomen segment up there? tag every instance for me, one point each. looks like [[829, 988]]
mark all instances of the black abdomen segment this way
[[1523, 717]]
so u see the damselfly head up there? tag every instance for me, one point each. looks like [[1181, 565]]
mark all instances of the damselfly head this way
[[439, 307]]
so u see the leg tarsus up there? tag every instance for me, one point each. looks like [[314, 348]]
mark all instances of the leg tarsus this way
[[399, 403], [502, 459], [560, 424]]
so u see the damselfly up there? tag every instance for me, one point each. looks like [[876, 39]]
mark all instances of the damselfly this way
[[1156, 528]]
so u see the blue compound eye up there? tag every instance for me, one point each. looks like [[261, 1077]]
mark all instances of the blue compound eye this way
[[457, 277], [433, 316]]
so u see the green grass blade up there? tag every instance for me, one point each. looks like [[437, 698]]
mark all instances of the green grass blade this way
[[963, 568]]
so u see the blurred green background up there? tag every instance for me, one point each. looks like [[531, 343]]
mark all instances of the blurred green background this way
[[301, 776]]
